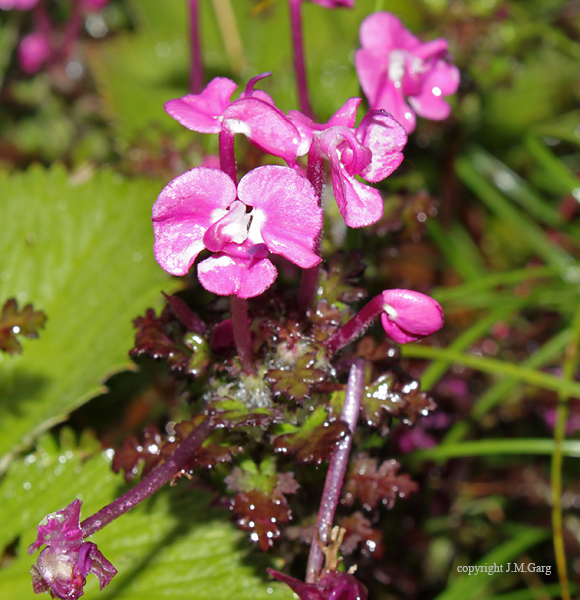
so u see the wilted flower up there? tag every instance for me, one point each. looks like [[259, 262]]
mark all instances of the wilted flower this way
[[62, 567], [393, 64], [273, 210], [332, 586]]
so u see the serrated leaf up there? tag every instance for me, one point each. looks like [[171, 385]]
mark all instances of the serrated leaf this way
[[295, 383], [13, 322], [171, 546], [81, 252], [315, 441]]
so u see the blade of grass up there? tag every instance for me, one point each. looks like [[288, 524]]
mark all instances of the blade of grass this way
[[468, 586], [490, 281], [493, 367], [436, 369], [496, 393], [569, 368], [458, 248], [534, 446], [527, 229], [514, 187], [563, 178]]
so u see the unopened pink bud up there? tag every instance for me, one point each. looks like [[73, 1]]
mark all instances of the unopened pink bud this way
[[408, 316]]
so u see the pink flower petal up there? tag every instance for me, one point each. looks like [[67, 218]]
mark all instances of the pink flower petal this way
[[392, 100], [442, 81], [202, 112], [17, 4], [285, 212], [382, 32], [228, 275], [359, 204], [184, 211], [373, 72], [386, 138], [408, 316], [265, 126]]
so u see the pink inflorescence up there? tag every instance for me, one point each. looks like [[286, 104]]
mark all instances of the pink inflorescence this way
[[403, 75], [273, 210], [62, 567], [17, 4]]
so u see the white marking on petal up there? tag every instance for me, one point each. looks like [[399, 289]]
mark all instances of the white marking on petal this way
[[220, 261], [391, 311], [238, 126]]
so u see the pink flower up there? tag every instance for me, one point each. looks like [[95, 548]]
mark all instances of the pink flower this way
[[253, 114], [274, 210], [17, 4], [372, 151], [332, 586], [34, 50], [393, 64], [408, 316], [63, 565]]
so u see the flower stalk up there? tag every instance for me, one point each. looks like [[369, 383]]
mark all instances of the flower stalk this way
[[242, 335], [155, 480], [336, 470], [196, 67], [299, 63]]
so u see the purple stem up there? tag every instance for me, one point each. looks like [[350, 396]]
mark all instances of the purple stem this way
[[72, 31], [356, 326], [242, 335], [299, 64], [196, 70], [336, 469], [314, 174], [42, 19], [227, 153], [152, 482]]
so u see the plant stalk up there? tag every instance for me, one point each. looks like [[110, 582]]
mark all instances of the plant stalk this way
[[336, 470], [227, 153], [155, 480], [356, 326], [242, 335], [299, 63], [196, 68]]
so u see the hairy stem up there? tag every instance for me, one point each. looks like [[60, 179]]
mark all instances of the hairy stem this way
[[356, 326], [242, 335], [227, 153], [299, 63], [314, 174], [196, 68], [152, 482], [336, 469]]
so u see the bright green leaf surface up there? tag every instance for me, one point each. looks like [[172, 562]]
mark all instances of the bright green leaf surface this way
[[81, 252], [172, 546]]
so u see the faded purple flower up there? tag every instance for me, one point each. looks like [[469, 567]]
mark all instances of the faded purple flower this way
[[332, 586], [67, 559], [273, 210], [34, 50], [408, 316], [393, 64], [253, 114]]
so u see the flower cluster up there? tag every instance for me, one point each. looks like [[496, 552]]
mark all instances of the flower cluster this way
[[64, 564]]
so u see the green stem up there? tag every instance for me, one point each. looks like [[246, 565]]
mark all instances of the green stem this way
[[494, 367]]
